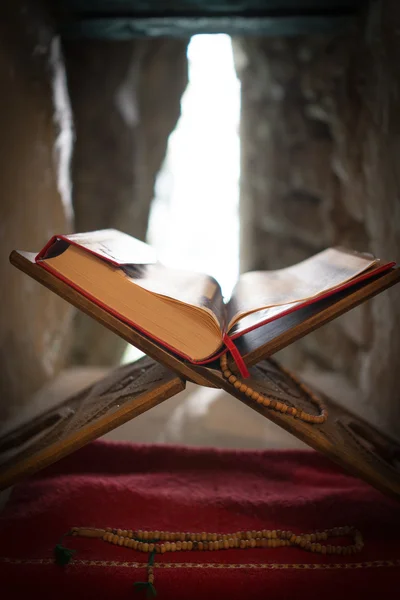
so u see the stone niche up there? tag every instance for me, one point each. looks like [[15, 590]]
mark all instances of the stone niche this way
[[320, 149], [125, 97], [35, 144]]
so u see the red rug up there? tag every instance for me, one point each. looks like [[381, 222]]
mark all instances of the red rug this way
[[169, 488]]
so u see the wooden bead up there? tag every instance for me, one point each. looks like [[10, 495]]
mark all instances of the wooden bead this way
[[151, 547], [200, 545], [145, 547], [184, 545], [243, 388], [115, 539], [232, 379], [173, 547], [189, 545], [237, 384]]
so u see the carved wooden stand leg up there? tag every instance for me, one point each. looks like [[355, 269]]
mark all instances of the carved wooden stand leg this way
[[128, 392]]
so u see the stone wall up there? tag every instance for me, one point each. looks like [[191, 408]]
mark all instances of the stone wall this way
[[35, 144], [126, 101], [320, 166]]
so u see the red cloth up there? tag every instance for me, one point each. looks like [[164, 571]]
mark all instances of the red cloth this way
[[169, 488]]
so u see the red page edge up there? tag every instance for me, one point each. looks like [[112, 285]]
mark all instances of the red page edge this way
[[65, 238]]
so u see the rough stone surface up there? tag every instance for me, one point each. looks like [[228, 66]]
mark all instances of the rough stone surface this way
[[35, 144], [126, 101], [320, 166]]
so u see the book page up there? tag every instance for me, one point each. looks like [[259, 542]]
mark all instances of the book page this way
[[114, 245], [273, 292], [182, 323], [196, 289]]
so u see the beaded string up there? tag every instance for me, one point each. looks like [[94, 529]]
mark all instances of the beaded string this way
[[160, 542], [275, 403]]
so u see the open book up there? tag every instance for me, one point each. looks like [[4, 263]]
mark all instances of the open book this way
[[185, 311]]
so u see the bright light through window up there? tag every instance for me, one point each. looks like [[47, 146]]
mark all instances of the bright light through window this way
[[194, 219]]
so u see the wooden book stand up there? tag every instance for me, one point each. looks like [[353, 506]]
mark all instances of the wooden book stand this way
[[133, 389]]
